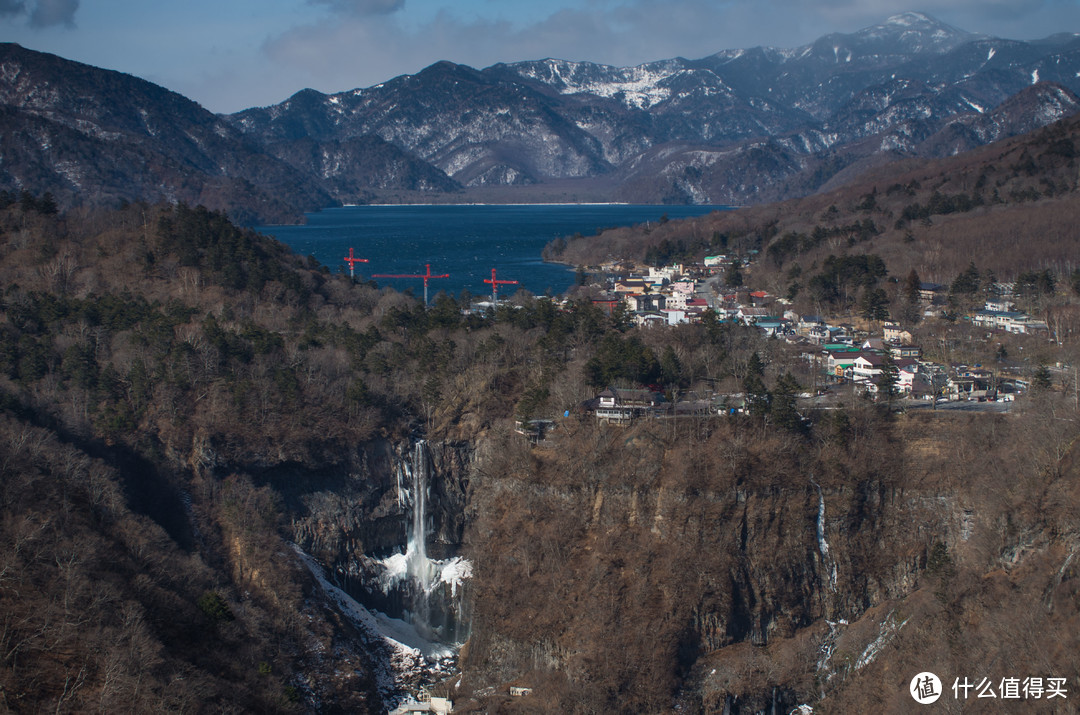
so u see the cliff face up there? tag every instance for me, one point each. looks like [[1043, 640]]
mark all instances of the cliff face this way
[[340, 510], [356, 516], [731, 569]]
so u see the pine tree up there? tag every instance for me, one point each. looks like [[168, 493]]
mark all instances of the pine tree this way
[[783, 411], [967, 282], [758, 397], [912, 284], [888, 380], [1041, 379], [875, 304], [670, 367], [910, 307], [734, 275], [754, 365]]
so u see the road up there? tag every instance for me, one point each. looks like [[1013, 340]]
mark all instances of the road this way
[[999, 407], [705, 290]]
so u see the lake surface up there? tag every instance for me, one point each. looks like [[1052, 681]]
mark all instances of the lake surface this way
[[465, 242]]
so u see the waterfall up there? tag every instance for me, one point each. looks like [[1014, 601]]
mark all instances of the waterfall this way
[[823, 545], [428, 592], [393, 566]]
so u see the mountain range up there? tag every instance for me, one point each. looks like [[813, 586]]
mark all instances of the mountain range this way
[[738, 127]]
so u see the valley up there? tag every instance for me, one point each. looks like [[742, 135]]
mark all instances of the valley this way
[[787, 458]]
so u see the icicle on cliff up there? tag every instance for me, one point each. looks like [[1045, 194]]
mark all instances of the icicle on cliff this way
[[408, 584], [429, 591]]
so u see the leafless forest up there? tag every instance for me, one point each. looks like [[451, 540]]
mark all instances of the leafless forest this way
[[157, 362]]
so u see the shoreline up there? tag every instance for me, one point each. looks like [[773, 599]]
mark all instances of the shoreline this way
[[523, 203]]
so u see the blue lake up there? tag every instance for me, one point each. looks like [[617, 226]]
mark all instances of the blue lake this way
[[465, 242]]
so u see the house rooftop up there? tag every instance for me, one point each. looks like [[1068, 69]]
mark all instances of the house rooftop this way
[[632, 395]]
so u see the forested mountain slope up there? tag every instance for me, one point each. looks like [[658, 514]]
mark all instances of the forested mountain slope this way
[[740, 127], [1009, 207], [95, 137], [182, 398]]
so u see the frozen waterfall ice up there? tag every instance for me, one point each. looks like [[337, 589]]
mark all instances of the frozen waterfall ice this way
[[430, 590]]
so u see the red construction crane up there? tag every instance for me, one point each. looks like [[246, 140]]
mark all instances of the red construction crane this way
[[352, 263], [425, 276], [495, 286]]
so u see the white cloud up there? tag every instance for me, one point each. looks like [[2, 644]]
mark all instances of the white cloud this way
[[12, 7], [356, 51], [42, 13]]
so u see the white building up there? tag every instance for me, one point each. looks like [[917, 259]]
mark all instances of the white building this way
[[675, 316], [440, 706], [676, 300], [867, 368], [1009, 321], [667, 274], [1000, 305]]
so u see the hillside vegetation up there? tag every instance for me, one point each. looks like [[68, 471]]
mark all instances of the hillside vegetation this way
[[1010, 207], [721, 567], [160, 371], [180, 398]]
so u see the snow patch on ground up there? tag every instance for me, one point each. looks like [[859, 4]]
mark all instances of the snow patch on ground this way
[[72, 171], [397, 633], [636, 87], [454, 572], [828, 647], [395, 568], [407, 657], [823, 545], [978, 108], [886, 632]]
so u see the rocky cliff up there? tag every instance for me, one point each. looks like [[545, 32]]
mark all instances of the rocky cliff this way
[[721, 568]]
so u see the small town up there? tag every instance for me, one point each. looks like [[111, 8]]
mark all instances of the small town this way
[[842, 359]]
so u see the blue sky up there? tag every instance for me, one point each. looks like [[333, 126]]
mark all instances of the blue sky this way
[[233, 54]]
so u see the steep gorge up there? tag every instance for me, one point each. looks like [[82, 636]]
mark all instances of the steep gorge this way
[[383, 521], [181, 404]]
